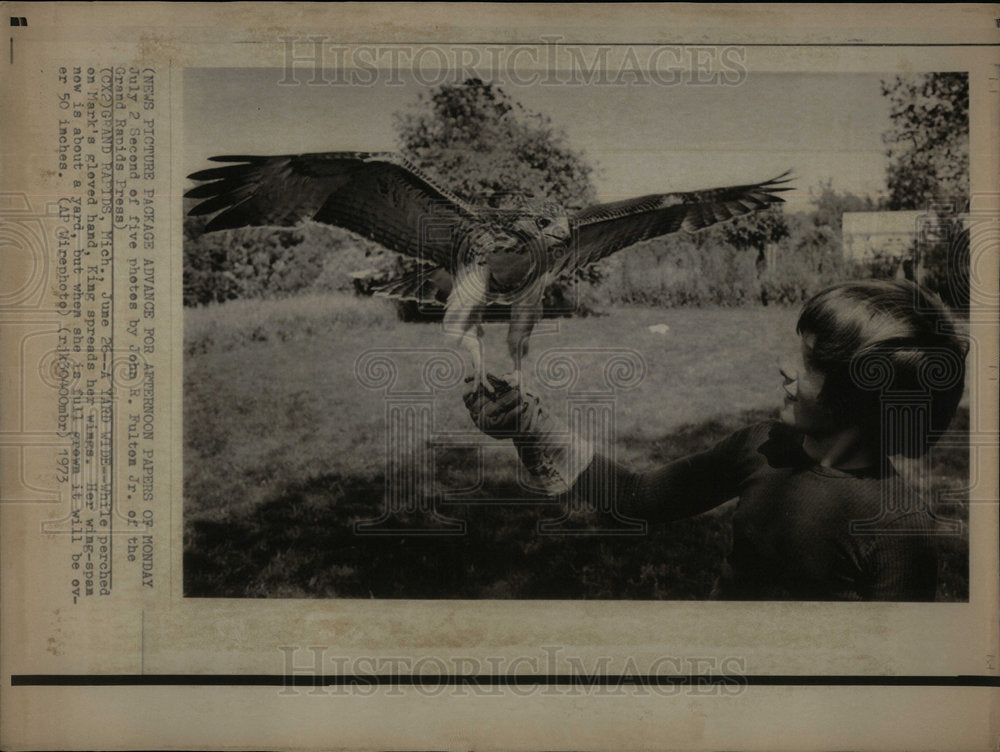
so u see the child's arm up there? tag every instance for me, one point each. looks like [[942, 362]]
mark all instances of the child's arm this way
[[566, 464], [683, 488]]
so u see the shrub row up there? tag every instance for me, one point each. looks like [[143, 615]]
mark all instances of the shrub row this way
[[671, 271]]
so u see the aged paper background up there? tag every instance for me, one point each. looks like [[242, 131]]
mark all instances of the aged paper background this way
[[139, 630]]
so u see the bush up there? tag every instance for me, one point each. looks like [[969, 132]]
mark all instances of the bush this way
[[672, 271], [945, 264], [267, 262]]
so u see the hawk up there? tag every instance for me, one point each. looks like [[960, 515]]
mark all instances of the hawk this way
[[491, 256]]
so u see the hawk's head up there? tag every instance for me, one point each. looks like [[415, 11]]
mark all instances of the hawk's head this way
[[553, 229]]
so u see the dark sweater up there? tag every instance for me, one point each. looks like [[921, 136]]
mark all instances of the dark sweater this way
[[800, 531]]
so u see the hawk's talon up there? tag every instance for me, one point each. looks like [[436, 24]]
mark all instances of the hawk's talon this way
[[477, 381], [513, 379]]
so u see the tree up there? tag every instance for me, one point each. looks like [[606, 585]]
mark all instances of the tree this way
[[928, 140], [757, 230], [928, 150], [751, 233], [831, 205], [488, 149]]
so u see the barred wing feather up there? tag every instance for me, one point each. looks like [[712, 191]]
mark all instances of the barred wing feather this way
[[378, 195], [599, 231]]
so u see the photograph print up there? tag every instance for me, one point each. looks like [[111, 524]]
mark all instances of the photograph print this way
[[510, 337]]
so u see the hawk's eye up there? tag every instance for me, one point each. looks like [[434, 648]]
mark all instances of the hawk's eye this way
[[542, 222]]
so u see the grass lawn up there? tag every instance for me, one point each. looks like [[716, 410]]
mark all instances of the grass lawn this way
[[285, 449]]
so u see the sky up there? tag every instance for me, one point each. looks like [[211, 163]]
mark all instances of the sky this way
[[640, 139]]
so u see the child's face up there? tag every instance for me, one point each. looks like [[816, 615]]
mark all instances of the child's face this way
[[802, 385]]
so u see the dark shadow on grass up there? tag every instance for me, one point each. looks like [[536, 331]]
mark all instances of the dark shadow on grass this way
[[303, 543]]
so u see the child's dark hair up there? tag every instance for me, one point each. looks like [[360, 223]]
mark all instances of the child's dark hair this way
[[878, 341]]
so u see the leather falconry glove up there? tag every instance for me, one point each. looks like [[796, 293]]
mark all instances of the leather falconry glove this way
[[550, 451]]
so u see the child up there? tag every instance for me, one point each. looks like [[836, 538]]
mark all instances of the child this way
[[828, 502]]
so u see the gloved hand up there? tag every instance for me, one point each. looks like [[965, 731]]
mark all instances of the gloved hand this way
[[505, 413], [551, 452]]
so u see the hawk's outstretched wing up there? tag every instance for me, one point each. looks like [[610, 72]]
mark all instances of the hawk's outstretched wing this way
[[599, 231], [379, 195]]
